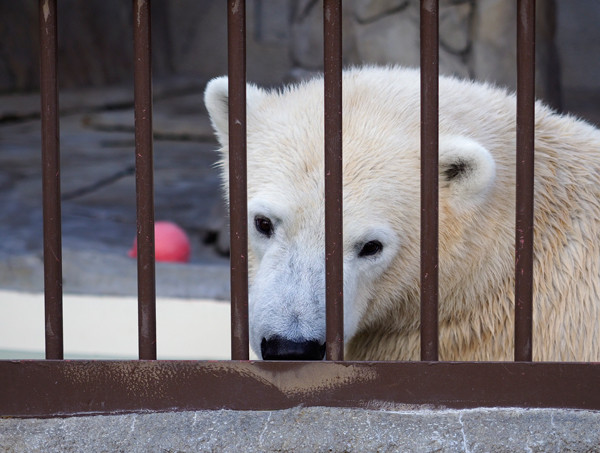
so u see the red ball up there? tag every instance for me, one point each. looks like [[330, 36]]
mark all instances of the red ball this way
[[171, 243]]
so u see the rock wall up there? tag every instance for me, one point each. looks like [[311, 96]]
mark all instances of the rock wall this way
[[477, 40]]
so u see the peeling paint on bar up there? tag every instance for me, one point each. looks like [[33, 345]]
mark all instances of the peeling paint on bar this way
[[524, 179], [57, 388]]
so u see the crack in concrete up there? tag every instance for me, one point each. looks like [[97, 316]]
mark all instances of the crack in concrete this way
[[464, 435], [99, 184], [260, 438], [132, 428]]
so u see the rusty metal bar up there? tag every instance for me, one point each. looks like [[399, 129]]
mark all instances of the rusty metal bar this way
[[525, 175], [238, 206], [429, 178], [49, 388], [51, 180], [334, 244], [144, 180]]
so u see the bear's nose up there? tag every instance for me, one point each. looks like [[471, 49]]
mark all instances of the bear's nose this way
[[279, 348]]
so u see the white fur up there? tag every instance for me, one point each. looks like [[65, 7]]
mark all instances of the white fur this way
[[381, 142]]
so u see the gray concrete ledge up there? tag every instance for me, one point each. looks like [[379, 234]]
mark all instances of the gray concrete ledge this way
[[108, 274], [310, 430]]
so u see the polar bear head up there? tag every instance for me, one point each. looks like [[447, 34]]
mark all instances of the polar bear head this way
[[381, 191]]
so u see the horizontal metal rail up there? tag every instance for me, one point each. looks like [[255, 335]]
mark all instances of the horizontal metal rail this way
[[55, 388]]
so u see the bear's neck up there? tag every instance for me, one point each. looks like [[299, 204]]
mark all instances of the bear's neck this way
[[484, 333], [475, 343]]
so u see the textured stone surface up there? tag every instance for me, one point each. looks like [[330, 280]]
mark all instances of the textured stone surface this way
[[370, 10], [455, 27], [393, 38], [391, 35], [311, 429], [284, 42], [494, 42], [477, 39]]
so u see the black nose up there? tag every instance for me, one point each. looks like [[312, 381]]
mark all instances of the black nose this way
[[278, 348]]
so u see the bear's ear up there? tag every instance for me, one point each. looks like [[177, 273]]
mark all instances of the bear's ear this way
[[216, 99], [467, 170]]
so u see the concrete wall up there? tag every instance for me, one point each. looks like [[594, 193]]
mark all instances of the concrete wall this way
[[310, 430]]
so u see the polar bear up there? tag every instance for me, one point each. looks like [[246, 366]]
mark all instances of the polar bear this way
[[381, 146]]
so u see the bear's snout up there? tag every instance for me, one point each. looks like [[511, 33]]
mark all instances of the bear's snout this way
[[279, 348]]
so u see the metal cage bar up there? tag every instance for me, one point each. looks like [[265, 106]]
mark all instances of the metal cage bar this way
[[238, 206], [34, 388], [144, 180], [51, 180], [525, 175], [429, 178], [334, 245]]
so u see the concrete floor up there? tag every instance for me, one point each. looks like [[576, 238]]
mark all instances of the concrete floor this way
[[98, 215]]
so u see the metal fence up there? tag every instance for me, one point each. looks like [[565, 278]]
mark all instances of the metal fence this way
[[58, 387]]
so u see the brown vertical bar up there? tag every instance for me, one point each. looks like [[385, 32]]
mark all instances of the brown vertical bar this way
[[51, 180], [238, 207], [525, 174], [429, 179], [144, 180], [334, 245]]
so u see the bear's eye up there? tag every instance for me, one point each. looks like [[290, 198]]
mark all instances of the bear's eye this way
[[263, 225], [371, 248]]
